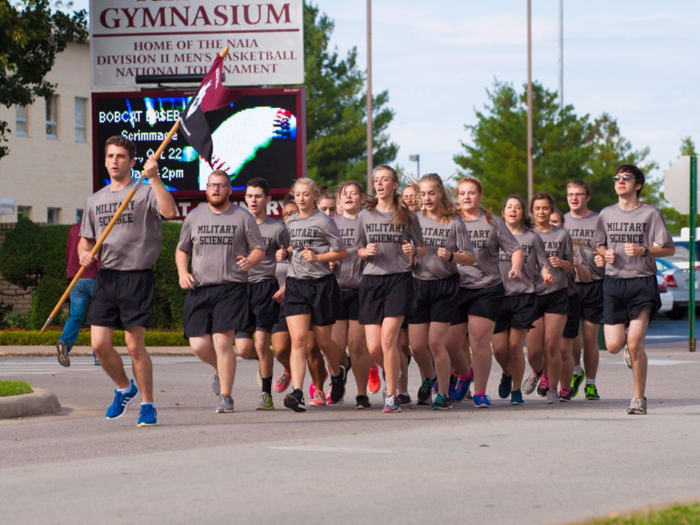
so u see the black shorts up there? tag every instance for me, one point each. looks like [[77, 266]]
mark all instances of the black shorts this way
[[216, 309], [434, 301], [573, 317], [264, 310], [384, 296], [349, 308], [625, 299], [517, 311], [122, 299], [280, 325], [481, 302], [318, 297], [553, 303], [591, 295]]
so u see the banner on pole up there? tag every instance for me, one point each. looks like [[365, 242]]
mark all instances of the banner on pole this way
[[182, 37]]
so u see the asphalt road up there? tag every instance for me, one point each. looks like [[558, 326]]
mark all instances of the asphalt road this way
[[530, 464]]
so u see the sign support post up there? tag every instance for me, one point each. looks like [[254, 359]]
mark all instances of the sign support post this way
[[691, 263]]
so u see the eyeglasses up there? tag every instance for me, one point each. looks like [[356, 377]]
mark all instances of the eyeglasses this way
[[618, 178], [579, 195], [288, 213], [217, 185]]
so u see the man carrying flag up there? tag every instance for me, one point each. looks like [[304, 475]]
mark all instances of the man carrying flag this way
[[125, 287]]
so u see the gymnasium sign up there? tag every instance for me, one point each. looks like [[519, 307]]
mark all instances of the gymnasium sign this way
[[181, 37]]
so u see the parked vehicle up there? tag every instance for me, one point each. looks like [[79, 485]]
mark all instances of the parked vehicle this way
[[676, 281], [666, 296]]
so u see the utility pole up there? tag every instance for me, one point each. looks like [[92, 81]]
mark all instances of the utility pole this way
[[370, 145], [530, 168], [561, 55]]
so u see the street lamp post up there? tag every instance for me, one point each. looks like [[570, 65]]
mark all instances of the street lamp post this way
[[370, 145], [416, 159]]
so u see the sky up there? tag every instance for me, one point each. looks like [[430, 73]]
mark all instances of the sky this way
[[635, 59]]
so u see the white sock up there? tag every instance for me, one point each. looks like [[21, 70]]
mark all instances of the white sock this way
[[578, 369], [152, 404], [590, 381], [125, 390]]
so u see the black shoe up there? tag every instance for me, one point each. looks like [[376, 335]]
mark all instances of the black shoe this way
[[348, 369], [403, 399], [505, 387], [362, 402], [425, 392], [338, 386], [295, 401], [62, 349]]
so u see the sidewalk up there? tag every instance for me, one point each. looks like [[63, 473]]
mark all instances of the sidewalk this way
[[8, 351]]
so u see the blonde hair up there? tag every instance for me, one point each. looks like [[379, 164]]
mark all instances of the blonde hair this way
[[305, 181], [476, 182], [448, 207], [402, 217]]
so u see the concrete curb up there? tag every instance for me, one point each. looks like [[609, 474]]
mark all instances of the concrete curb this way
[[39, 402]]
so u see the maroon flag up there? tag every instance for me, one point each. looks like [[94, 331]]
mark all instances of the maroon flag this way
[[211, 95]]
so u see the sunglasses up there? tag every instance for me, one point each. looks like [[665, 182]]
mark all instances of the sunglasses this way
[[618, 178]]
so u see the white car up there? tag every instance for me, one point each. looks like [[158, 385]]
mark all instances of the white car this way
[[666, 296]]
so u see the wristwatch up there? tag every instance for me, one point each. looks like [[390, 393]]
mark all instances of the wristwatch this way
[[645, 252]]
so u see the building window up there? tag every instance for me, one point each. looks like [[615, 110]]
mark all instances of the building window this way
[[22, 121], [80, 119], [78, 215], [24, 212], [53, 216], [52, 117]]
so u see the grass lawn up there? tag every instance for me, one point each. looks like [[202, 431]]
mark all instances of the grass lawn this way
[[14, 388], [677, 515]]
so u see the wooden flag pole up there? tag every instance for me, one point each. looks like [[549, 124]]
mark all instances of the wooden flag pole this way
[[114, 220]]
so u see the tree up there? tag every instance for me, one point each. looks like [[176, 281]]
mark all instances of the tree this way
[[336, 111], [565, 146], [31, 35]]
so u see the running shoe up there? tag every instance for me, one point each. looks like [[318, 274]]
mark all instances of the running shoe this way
[[148, 416], [462, 388], [374, 383], [530, 383], [225, 405], [453, 386], [121, 401], [215, 385], [628, 357], [259, 377], [436, 387], [425, 392], [482, 401], [362, 402], [391, 405], [552, 396], [506, 386], [265, 402], [338, 386], [576, 382], [543, 386], [283, 381], [319, 399], [295, 401], [442, 402], [638, 406], [62, 349], [592, 393], [516, 397], [96, 361], [565, 395], [312, 387], [469, 395], [404, 398]]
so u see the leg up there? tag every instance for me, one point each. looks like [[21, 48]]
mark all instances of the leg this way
[[615, 337], [282, 345], [501, 351], [635, 343], [535, 346], [480, 333], [314, 358], [405, 353], [79, 298], [262, 349], [437, 334], [299, 332], [226, 359], [418, 338], [245, 348], [591, 353], [360, 357], [373, 336], [516, 339], [110, 360], [567, 362], [328, 347], [553, 328], [135, 337], [203, 347], [339, 334], [390, 328]]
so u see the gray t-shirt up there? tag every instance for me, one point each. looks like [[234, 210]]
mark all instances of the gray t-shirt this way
[[281, 272], [451, 236], [274, 235], [216, 240], [557, 243], [644, 226], [379, 227], [534, 259], [134, 242], [320, 233], [488, 240], [582, 231], [349, 270]]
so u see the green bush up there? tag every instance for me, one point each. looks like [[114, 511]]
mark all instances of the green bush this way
[[169, 298], [44, 300], [16, 320], [49, 338]]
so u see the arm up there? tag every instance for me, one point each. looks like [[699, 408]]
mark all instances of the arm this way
[[517, 259], [185, 278], [85, 246], [252, 260], [327, 257], [583, 273], [634, 250], [166, 203]]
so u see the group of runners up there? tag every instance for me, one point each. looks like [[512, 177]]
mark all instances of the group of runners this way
[[350, 284]]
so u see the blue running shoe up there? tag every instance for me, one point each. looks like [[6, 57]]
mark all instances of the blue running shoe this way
[[453, 386], [148, 416], [462, 388], [516, 397], [121, 401], [482, 401], [505, 387]]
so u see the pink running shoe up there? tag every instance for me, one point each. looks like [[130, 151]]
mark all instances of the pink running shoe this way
[[319, 399], [283, 381], [543, 386], [312, 387], [374, 383]]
